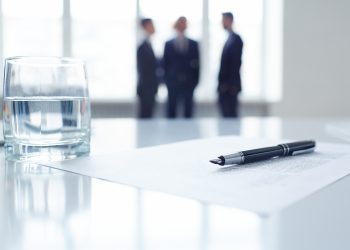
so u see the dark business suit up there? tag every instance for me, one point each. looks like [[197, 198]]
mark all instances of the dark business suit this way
[[147, 84], [229, 76], [181, 75]]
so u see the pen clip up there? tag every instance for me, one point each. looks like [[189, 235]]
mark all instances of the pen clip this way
[[303, 151]]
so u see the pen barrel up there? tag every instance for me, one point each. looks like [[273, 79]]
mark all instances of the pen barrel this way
[[262, 154]]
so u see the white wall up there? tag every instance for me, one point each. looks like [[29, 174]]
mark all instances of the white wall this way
[[316, 59]]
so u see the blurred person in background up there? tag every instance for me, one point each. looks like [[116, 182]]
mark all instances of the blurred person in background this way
[[181, 70], [147, 85], [229, 74]]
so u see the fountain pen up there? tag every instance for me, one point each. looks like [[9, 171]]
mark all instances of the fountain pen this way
[[254, 155]]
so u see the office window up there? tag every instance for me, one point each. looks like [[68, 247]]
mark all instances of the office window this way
[[104, 34], [32, 27]]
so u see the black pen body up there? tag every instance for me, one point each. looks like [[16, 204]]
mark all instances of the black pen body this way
[[285, 149], [261, 154]]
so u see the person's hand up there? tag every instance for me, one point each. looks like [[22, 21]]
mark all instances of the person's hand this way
[[228, 89], [233, 90], [223, 88]]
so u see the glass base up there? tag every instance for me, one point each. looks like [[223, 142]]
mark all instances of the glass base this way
[[19, 151]]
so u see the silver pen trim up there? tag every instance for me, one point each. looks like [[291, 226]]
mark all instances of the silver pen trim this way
[[237, 158]]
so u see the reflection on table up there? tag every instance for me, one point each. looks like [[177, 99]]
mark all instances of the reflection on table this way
[[51, 209]]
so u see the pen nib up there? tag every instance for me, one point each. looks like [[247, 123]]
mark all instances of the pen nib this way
[[216, 161]]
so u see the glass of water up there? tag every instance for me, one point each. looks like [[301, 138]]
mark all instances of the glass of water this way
[[46, 109]]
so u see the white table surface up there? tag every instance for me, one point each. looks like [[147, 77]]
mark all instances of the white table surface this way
[[44, 208]]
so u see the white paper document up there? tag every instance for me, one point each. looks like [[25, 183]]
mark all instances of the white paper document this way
[[184, 169]]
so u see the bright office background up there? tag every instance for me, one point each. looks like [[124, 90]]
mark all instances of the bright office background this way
[[295, 61], [105, 33]]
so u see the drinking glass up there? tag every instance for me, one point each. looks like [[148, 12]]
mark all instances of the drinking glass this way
[[46, 108]]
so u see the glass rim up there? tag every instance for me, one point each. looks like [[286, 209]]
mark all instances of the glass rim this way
[[44, 61]]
